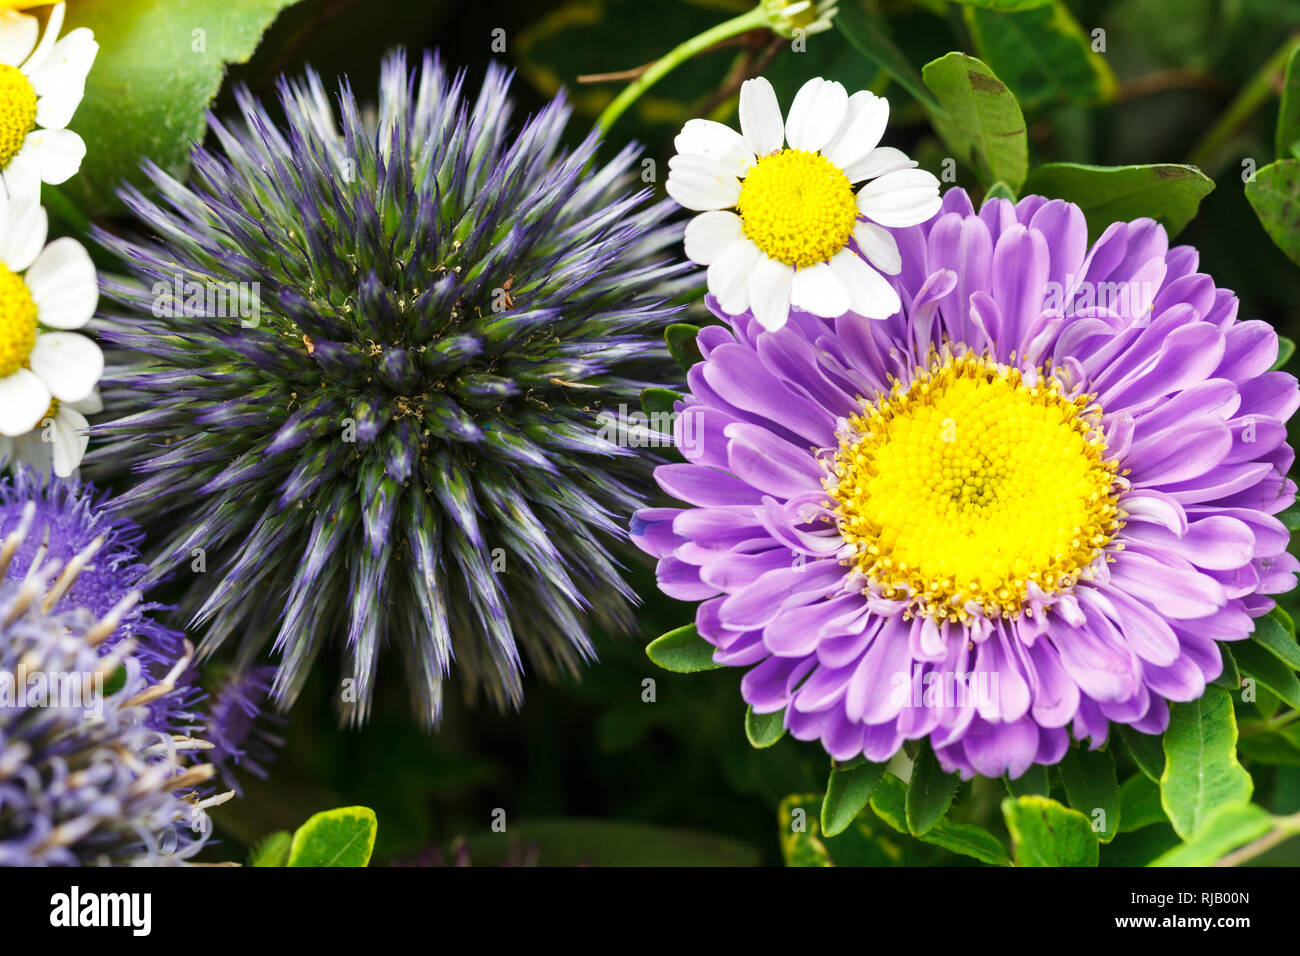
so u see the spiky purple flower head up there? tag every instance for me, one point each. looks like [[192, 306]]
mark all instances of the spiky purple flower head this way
[[1027, 505], [241, 732], [398, 444], [84, 777], [100, 552]]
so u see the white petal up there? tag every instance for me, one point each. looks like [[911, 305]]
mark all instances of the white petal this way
[[43, 49], [870, 292], [69, 364], [866, 121], [769, 293], [729, 274], [818, 290], [23, 225], [878, 245], [716, 141], [60, 83], [55, 155], [907, 197], [62, 283], [710, 234], [92, 404], [21, 179], [23, 400], [881, 160], [18, 35], [816, 114], [760, 116], [70, 441], [700, 183]]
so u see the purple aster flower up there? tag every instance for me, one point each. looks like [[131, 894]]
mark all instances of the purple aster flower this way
[[393, 438], [84, 777], [1028, 504], [70, 519], [241, 734]]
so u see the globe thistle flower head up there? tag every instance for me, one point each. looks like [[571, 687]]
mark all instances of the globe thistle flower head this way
[[397, 443], [84, 778], [99, 551], [1025, 506], [241, 733]]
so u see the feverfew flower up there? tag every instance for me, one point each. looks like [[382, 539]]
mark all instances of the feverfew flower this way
[[405, 455], [59, 440], [785, 226], [45, 293], [789, 18], [1025, 507], [42, 81]]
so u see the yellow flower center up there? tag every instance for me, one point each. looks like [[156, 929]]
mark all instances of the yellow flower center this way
[[798, 207], [17, 111], [971, 483], [17, 323]]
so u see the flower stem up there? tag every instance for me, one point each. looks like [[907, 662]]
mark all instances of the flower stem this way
[[1251, 98], [663, 66]]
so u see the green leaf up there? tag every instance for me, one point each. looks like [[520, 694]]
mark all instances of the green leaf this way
[[929, 793], [870, 37], [342, 837], [1145, 749], [1042, 54], [682, 651], [1275, 633], [154, 78], [1290, 518], [1090, 786], [763, 730], [659, 401], [680, 337], [847, 793], [1229, 827], [1201, 769], [1139, 800], [1229, 678], [273, 851], [1032, 781], [1285, 350], [889, 802], [1000, 190], [1044, 833], [1274, 194], [1170, 194], [1266, 669], [801, 843], [1288, 113], [981, 123]]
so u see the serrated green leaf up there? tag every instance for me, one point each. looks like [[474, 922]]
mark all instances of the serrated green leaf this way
[[929, 793], [680, 337], [1285, 350], [1042, 54], [870, 37], [981, 123], [889, 803], [1266, 669], [1273, 634], [847, 793], [160, 65], [1044, 833], [1170, 194], [1091, 786], [1228, 828], [342, 837], [1288, 113], [1274, 194], [1201, 769], [1145, 749], [763, 730], [1139, 800], [272, 851], [682, 651]]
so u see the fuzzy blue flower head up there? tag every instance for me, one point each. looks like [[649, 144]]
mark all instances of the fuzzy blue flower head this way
[[367, 364]]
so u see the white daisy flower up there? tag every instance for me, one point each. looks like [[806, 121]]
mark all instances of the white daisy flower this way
[[59, 440], [42, 81], [45, 293], [781, 223]]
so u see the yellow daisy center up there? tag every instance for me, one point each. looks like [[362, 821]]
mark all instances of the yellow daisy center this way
[[974, 481], [797, 206], [17, 111], [17, 323]]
